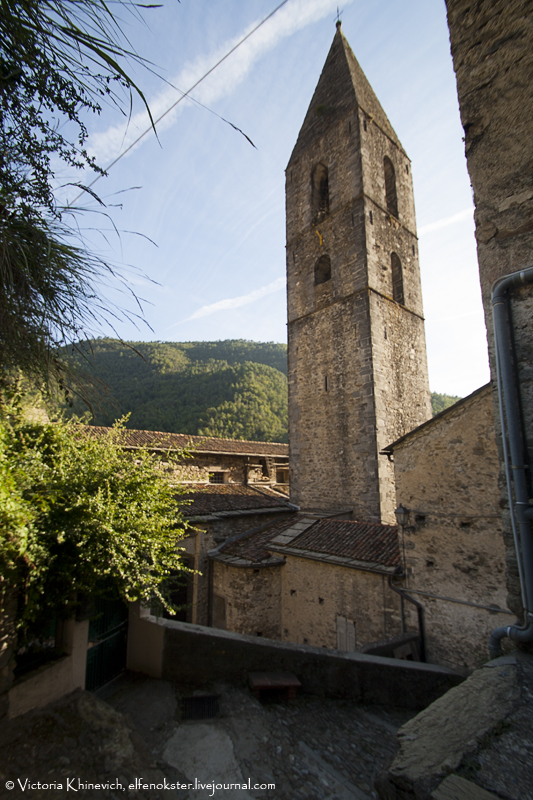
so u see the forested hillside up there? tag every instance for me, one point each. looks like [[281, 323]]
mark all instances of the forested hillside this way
[[441, 401], [235, 388]]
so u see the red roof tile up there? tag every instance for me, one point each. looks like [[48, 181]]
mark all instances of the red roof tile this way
[[159, 440], [252, 546], [359, 541], [213, 498]]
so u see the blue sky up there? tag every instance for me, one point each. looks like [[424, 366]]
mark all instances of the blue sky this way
[[214, 206]]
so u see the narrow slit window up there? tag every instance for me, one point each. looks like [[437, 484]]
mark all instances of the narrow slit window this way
[[322, 270], [320, 192], [390, 187], [397, 278]]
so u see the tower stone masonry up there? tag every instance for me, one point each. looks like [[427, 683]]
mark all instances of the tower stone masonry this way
[[357, 362]]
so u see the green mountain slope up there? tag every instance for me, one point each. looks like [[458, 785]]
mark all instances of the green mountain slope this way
[[235, 388], [441, 401]]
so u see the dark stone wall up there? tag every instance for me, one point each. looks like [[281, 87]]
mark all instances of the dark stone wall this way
[[196, 657], [332, 431], [252, 599], [212, 533], [492, 49]]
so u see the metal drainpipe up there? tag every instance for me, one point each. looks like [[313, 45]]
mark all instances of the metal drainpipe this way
[[514, 457]]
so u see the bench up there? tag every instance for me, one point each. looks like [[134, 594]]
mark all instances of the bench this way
[[274, 682]]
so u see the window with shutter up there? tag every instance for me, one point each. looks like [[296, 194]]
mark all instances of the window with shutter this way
[[345, 634]]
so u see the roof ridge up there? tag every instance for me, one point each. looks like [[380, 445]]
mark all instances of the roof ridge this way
[[295, 530], [187, 435]]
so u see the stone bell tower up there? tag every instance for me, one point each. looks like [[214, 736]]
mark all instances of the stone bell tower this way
[[358, 375]]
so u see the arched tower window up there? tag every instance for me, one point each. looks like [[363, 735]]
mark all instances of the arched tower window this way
[[322, 270], [319, 192], [390, 187], [397, 278]]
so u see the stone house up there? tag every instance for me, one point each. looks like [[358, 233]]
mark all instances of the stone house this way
[[234, 485], [310, 579], [216, 514], [446, 474], [212, 460], [320, 580]]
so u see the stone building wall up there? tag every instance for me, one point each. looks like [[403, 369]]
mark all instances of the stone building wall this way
[[447, 476], [343, 404], [199, 467], [251, 599], [332, 440], [340, 234], [492, 50], [384, 233], [210, 534], [400, 397], [315, 593]]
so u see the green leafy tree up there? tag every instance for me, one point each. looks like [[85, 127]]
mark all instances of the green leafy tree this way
[[78, 510], [59, 60], [439, 402]]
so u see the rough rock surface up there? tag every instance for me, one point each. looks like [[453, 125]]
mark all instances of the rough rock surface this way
[[480, 730], [492, 50], [312, 748], [78, 736]]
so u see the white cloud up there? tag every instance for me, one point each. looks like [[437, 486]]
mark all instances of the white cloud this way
[[235, 302], [294, 16], [443, 223]]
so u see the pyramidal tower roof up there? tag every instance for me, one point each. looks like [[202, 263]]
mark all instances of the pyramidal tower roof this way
[[342, 86]]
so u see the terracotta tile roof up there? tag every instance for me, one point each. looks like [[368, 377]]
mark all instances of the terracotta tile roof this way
[[252, 546], [372, 544], [361, 541], [214, 498], [159, 440]]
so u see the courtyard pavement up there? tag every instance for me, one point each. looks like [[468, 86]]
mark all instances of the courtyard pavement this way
[[311, 748]]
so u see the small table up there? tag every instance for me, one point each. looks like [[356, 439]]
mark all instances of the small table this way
[[265, 681]]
